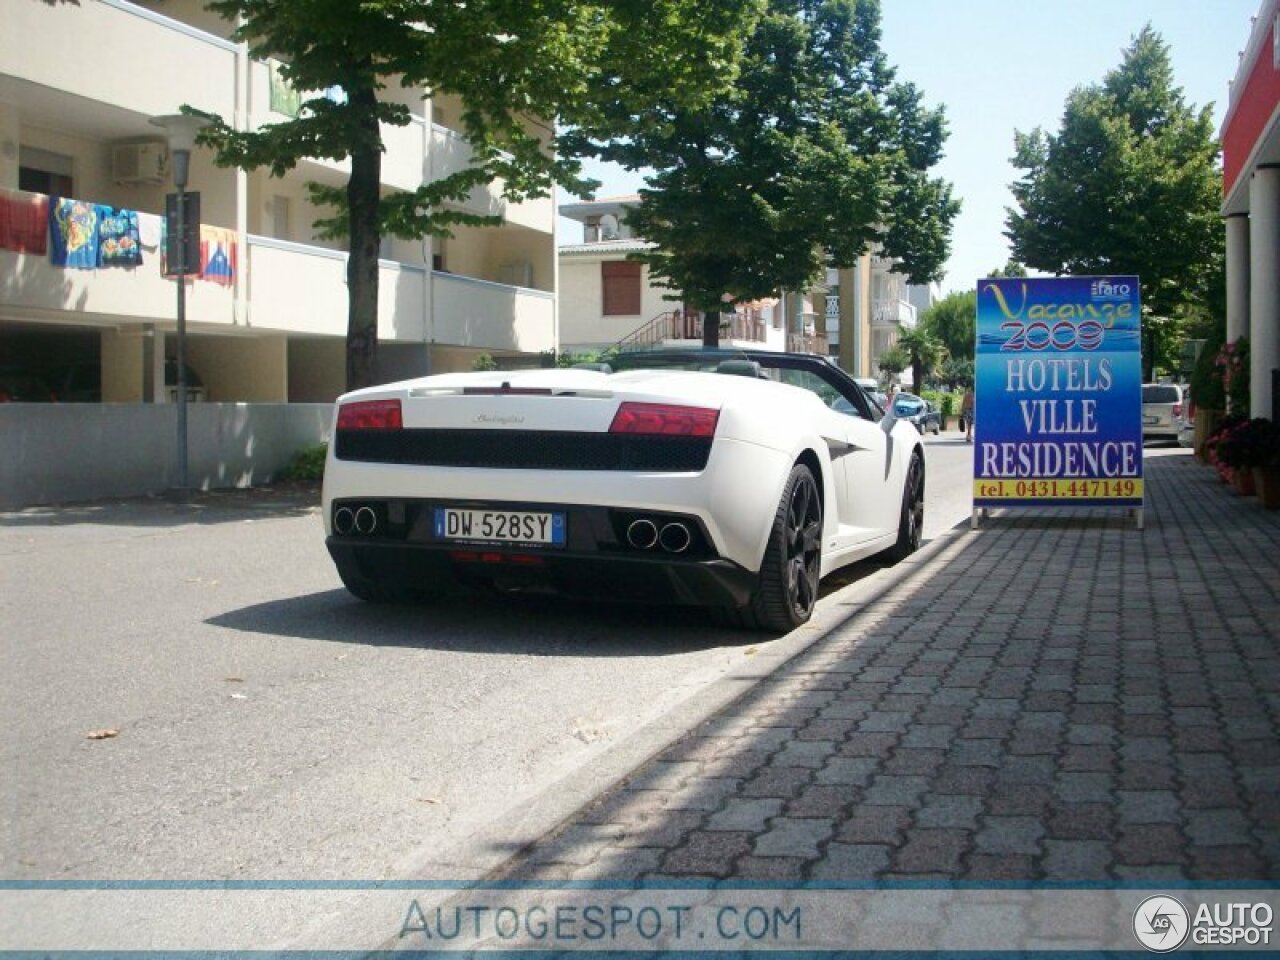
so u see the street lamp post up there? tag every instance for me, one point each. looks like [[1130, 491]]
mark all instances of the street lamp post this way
[[181, 130]]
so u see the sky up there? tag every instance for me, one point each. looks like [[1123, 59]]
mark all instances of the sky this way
[[1003, 65]]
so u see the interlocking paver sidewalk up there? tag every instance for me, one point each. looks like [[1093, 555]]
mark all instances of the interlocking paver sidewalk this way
[[1056, 696]]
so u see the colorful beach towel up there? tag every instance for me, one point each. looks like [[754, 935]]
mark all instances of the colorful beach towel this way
[[218, 255], [73, 233], [119, 243], [24, 222]]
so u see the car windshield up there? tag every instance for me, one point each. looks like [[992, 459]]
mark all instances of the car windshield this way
[[808, 372], [908, 406], [1161, 393]]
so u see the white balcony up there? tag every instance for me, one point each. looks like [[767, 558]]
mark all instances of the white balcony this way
[[33, 287], [297, 288], [493, 316], [450, 154], [403, 162], [892, 313], [115, 53], [280, 287]]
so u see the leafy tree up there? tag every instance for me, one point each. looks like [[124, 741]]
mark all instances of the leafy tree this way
[[953, 320], [956, 373], [893, 361], [1010, 269], [1129, 185], [924, 353], [516, 66], [816, 152]]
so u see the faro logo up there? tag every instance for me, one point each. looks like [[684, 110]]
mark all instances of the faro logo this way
[[1161, 924], [1106, 290]]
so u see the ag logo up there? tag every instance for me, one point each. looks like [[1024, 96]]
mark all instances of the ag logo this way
[[1161, 924]]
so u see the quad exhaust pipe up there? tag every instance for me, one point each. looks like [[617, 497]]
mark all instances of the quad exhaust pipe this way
[[675, 538], [366, 521], [644, 534], [344, 521], [349, 520]]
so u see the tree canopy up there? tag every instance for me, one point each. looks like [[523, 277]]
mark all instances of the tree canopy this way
[[953, 321], [925, 353], [1129, 185], [816, 152], [518, 66]]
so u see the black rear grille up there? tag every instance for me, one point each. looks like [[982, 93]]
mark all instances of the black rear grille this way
[[526, 450]]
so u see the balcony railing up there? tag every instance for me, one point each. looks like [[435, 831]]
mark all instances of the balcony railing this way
[[687, 325], [808, 343], [892, 313], [76, 49], [285, 287]]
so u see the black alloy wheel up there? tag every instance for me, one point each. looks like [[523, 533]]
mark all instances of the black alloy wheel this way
[[788, 588], [911, 520]]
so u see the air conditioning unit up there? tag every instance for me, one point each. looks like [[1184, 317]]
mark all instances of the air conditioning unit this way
[[139, 162]]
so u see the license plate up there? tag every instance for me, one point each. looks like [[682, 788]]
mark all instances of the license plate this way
[[500, 526], [1149, 419]]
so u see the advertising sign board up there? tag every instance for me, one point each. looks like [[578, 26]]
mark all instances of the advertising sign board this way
[[1058, 392]]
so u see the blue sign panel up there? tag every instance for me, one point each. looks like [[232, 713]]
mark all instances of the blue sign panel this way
[[1058, 392]]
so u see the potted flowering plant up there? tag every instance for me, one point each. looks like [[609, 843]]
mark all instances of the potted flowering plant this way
[[1226, 426], [1246, 447]]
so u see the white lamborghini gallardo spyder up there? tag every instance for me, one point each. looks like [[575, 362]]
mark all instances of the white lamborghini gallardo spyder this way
[[719, 478]]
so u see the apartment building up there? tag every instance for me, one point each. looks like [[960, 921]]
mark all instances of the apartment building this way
[[607, 299], [79, 85]]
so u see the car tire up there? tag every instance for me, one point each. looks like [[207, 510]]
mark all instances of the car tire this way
[[787, 590], [911, 517]]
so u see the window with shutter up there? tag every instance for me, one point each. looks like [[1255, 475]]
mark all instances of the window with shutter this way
[[621, 283]]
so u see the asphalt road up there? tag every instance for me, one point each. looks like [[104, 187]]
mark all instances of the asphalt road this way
[[268, 726]]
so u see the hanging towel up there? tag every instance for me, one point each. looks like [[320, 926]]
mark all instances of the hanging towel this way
[[150, 230], [218, 255], [73, 234], [119, 243], [24, 222]]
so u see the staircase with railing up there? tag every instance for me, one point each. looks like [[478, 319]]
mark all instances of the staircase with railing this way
[[682, 324]]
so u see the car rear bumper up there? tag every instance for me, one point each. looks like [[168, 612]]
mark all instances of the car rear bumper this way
[[402, 545], [596, 576]]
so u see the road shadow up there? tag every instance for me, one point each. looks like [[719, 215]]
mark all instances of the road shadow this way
[[172, 509], [477, 622]]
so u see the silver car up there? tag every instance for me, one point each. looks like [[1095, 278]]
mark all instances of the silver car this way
[[1161, 410]]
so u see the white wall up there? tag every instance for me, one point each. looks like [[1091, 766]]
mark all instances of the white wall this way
[[582, 319], [51, 453]]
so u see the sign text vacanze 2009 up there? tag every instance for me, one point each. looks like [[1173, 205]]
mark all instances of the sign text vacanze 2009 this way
[[1059, 392]]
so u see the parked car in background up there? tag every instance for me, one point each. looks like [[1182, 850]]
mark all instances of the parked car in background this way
[[725, 479], [871, 386], [1161, 410], [19, 386], [1187, 422], [919, 412]]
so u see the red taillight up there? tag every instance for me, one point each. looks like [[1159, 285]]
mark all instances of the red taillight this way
[[370, 415], [666, 419], [1177, 411]]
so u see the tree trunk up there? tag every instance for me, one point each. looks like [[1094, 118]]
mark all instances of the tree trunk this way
[[362, 263], [711, 328]]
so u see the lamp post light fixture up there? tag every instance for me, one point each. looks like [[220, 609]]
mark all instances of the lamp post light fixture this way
[[181, 130]]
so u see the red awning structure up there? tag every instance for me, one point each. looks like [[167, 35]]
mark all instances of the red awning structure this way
[[1251, 205]]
